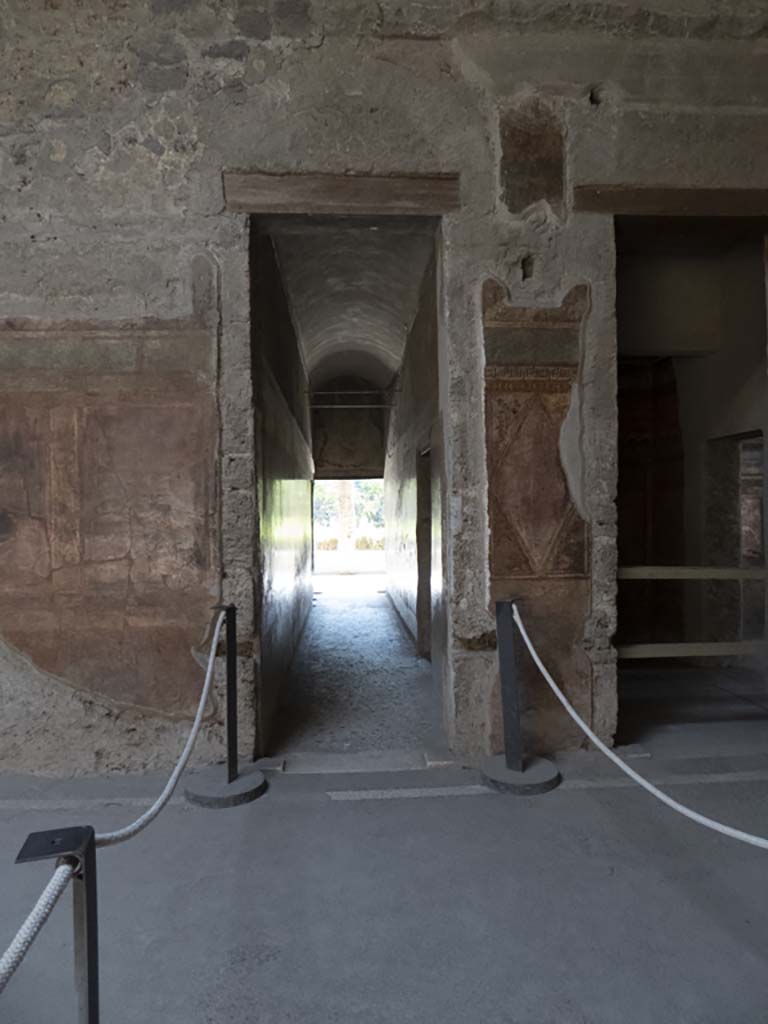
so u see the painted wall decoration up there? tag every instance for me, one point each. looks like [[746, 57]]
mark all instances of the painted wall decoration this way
[[108, 567], [539, 544]]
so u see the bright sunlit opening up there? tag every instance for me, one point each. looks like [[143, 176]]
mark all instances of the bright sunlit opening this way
[[349, 526]]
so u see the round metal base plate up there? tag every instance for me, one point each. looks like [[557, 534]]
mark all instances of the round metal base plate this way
[[209, 787], [540, 776]]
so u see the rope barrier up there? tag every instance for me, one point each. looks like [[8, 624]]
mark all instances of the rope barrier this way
[[28, 932], [129, 831], [63, 874], [39, 914], [687, 812]]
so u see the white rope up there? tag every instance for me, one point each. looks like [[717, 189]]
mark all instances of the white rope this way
[[39, 914], [61, 877], [700, 819], [122, 834]]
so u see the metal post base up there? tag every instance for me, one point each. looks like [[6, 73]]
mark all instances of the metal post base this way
[[540, 776], [209, 787]]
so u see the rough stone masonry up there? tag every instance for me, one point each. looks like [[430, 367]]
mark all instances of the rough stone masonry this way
[[128, 477]]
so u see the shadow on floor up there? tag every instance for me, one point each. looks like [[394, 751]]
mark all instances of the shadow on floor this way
[[655, 697]]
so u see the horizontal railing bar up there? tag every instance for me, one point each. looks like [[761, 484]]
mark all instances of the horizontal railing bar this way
[[689, 572], [704, 649]]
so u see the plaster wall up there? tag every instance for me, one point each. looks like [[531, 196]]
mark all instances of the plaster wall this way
[[284, 472], [349, 443], [116, 120], [412, 421], [539, 542], [671, 305], [108, 542]]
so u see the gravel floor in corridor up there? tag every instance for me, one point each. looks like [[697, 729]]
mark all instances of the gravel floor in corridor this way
[[356, 683]]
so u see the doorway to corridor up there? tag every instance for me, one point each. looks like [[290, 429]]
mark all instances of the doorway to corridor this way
[[357, 684], [345, 320]]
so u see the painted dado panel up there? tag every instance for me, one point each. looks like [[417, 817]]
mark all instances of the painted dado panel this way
[[535, 528], [107, 488], [539, 544]]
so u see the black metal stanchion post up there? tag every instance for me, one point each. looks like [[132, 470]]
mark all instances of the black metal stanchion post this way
[[79, 845], [87, 935], [513, 772], [208, 788], [507, 643], [232, 762]]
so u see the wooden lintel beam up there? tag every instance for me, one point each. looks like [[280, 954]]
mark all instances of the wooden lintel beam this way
[[652, 201], [688, 572], [341, 194], [715, 648]]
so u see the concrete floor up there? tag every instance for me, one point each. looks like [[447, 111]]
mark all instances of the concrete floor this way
[[356, 684], [421, 896], [674, 710], [410, 897]]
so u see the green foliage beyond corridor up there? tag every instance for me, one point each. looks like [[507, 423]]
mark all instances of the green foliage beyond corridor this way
[[368, 503]]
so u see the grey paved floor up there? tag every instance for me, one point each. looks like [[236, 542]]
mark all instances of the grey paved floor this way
[[674, 711], [356, 683], [422, 898], [591, 905]]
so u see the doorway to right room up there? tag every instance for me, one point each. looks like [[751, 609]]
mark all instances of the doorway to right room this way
[[692, 405]]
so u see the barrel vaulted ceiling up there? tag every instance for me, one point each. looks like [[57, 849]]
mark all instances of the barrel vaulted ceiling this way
[[353, 288]]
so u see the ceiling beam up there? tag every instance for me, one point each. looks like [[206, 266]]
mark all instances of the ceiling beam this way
[[651, 201], [341, 194]]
